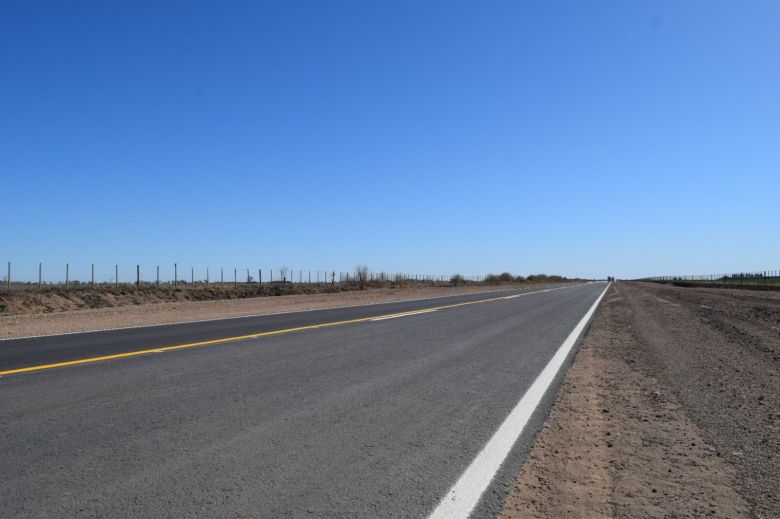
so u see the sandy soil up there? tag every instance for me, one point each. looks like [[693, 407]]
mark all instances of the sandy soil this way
[[671, 409], [160, 313]]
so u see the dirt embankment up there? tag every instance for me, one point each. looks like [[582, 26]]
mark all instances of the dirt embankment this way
[[671, 409], [31, 300], [148, 313]]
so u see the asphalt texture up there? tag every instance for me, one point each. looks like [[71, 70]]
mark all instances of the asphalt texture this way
[[20, 353], [371, 419]]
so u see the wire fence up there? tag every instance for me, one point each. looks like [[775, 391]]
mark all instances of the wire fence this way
[[763, 277], [176, 276]]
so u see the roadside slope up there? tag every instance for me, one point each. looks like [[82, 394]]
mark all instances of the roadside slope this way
[[626, 438]]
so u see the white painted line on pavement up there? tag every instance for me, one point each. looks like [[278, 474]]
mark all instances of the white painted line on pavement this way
[[467, 491]]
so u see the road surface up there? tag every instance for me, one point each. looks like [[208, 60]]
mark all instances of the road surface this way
[[373, 411]]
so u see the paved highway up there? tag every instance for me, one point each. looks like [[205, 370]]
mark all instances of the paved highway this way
[[391, 410]]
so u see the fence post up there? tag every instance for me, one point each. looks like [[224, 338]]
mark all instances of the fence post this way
[[67, 268], [158, 276], [175, 274], [93, 275], [259, 277], [137, 276], [116, 275], [235, 277]]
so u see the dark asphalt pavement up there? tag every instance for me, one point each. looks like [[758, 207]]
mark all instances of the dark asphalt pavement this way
[[20, 353], [372, 419]]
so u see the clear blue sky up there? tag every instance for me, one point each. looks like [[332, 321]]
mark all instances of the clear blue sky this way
[[581, 138]]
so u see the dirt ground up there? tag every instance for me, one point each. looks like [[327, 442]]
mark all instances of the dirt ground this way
[[29, 299], [671, 409], [159, 313]]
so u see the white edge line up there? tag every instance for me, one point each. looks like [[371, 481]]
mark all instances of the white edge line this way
[[262, 314], [465, 494]]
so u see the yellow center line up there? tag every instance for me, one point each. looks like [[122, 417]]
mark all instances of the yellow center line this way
[[404, 314], [137, 353]]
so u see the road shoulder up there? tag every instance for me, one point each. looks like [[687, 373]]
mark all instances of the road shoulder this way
[[618, 442]]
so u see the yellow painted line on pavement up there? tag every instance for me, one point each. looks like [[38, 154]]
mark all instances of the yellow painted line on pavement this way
[[163, 349], [404, 314]]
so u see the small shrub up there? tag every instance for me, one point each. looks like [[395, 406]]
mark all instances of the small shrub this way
[[361, 275]]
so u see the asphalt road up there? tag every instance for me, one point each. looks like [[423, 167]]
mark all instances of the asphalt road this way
[[366, 419], [20, 353]]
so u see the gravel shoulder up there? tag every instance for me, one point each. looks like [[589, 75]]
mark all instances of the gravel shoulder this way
[[24, 325], [671, 409]]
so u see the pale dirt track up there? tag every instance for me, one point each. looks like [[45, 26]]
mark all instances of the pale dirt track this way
[[671, 409]]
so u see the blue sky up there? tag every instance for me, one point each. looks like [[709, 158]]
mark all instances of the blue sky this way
[[581, 138]]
